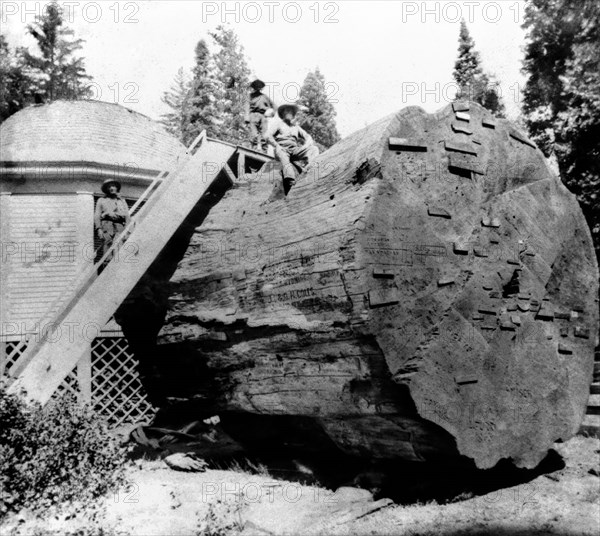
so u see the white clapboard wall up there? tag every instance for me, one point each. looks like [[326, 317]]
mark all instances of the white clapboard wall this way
[[46, 242]]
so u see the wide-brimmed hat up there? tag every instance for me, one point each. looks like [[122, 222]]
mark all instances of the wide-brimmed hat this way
[[257, 84], [285, 108], [108, 182]]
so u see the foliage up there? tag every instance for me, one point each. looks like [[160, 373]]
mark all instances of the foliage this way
[[58, 453], [222, 519], [54, 72], [232, 75], [201, 111], [319, 119], [215, 98], [177, 99], [14, 83], [474, 84], [561, 98], [57, 72]]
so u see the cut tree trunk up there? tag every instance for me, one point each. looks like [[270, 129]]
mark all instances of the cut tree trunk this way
[[428, 288]]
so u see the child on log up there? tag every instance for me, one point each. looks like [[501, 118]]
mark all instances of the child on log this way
[[294, 147], [260, 107]]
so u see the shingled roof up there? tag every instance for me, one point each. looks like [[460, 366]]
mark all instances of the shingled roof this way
[[87, 131]]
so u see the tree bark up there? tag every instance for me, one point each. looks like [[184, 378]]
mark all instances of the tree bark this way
[[428, 288]]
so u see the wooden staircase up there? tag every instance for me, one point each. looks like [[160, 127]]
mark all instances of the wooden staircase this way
[[591, 422], [156, 216]]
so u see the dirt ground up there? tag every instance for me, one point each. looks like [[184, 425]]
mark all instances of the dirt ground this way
[[161, 501]]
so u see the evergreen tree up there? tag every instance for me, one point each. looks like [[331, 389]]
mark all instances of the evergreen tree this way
[[548, 51], [177, 99], [561, 98], [57, 72], [15, 86], [467, 68], [474, 84], [319, 119], [201, 111], [216, 96], [232, 77]]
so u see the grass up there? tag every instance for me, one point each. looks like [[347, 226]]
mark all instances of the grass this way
[[245, 466], [222, 519]]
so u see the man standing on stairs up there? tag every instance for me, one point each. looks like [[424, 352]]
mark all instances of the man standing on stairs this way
[[260, 107], [112, 214], [294, 147]]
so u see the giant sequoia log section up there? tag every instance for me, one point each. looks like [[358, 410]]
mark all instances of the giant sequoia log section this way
[[428, 288]]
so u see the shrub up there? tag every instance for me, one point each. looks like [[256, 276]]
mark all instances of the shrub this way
[[222, 519], [57, 453]]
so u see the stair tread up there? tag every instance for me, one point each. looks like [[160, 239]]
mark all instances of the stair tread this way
[[590, 426], [591, 420], [594, 400], [591, 431]]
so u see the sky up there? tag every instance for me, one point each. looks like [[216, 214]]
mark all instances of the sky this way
[[377, 56]]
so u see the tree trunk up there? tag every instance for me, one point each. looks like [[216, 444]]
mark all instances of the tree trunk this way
[[428, 288]]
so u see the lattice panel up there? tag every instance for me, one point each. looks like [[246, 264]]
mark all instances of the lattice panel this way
[[12, 352], [70, 385], [117, 392]]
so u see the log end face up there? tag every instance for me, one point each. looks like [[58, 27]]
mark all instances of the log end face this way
[[483, 286], [433, 293]]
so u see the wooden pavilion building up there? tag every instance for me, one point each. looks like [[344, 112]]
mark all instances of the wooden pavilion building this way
[[53, 161]]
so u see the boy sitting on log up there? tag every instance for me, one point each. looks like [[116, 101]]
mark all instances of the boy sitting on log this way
[[294, 147], [260, 107]]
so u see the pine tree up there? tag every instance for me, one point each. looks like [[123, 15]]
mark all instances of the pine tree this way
[[232, 76], [549, 49], [561, 98], [58, 73], [201, 113], [474, 84], [319, 119], [5, 68], [217, 95], [15, 85], [467, 68], [177, 99]]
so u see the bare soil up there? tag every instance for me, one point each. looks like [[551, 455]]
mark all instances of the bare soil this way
[[160, 501]]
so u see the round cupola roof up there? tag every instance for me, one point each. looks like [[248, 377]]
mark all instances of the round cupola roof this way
[[87, 132]]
